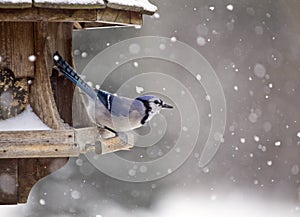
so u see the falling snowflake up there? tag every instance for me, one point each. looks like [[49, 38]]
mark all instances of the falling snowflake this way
[[206, 170], [173, 39], [132, 172], [201, 41], [76, 52], [295, 169], [198, 77], [75, 194], [135, 64], [230, 7], [259, 30], [267, 126], [156, 15], [32, 58], [134, 48], [42, 202], [139, 89], [259, 70], [211, 8], [84, 54], [277, 143], [162, 46]]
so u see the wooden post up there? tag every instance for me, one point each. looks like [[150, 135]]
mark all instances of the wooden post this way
[[14, 53]]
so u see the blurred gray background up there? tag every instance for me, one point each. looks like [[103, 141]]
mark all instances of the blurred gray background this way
[[254, 49]]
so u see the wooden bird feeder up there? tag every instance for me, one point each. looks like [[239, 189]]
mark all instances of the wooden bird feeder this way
[[41, 27]]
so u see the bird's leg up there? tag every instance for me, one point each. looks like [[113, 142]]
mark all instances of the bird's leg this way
[[123, 136], [109, 129]]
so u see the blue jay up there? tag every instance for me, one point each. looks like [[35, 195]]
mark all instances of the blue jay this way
[[115, 113]]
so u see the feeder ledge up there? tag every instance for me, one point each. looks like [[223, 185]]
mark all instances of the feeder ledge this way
[[61, 143]]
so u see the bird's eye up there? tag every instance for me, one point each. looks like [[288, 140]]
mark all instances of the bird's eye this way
[[156, 101]]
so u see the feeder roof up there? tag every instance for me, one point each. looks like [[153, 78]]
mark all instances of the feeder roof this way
[[143, 6], [128, 12]]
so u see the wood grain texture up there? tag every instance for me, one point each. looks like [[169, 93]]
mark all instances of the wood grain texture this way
[[99, 14], [49, 37], [14, 55], [86, 5], [47, 15], [107, 15], [8, 181], [61, 86], [32, 170], [61, 143], [14, 50], [123, 17], [136, 18], [89, 4], [38, 144]]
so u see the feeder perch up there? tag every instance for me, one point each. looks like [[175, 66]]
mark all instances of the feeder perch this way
[[39, 28]]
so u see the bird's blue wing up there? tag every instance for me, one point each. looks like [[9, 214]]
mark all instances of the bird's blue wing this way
[[120, 106], [106, 98]]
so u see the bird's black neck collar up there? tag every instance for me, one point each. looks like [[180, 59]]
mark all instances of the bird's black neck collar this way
[[147, 111]]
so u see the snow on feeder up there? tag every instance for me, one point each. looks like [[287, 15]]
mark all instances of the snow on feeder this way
[[30, 32]]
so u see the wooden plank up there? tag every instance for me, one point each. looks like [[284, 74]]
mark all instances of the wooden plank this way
[[8, 181], [99, 14], [32, 170], [15, 37], [115, 144], [13, 50], [123, 17], [38, 144], [47, 15], [101, 140], [77, 25], [109, 15], [136, 18], [61, 143], [62, 4]]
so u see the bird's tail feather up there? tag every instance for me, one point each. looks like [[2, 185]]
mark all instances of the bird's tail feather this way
[[69, 72]]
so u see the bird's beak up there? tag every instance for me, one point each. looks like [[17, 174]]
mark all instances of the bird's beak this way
[[167, 106]]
